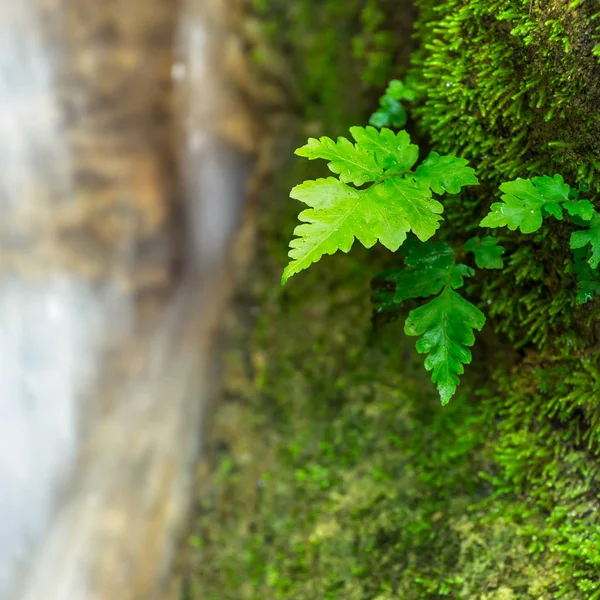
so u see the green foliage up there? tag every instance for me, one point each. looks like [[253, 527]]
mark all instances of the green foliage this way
[[583, 209], [351, 482], [397, 201], [588, 279], [445, 323], [526, 201], [512, 84], [310, 35], [591, 236], [496, 85], [391, 113], [488, 253]]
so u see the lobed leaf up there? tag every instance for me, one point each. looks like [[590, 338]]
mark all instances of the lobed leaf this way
[[391, 112], [583, 209], [390, 149], [588, 279], [591, 236], [431, 267], [446, 173], [524, 200], [396, 202], [488, 253], [353, 164], [398, 90], [339, 215], [414, 203], [446, 326]]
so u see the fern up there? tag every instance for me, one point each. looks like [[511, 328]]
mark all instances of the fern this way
[[591, 236], [391, 113], [526, 202], [488, 253], [588, 279], [397, 201], [444, 324], [378, 197]]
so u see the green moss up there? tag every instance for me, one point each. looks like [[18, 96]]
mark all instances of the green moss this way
[[513, 85], [345, 478]]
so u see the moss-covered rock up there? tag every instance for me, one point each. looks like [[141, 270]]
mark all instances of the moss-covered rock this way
[[341, 476], [512, 84], [354, 482]]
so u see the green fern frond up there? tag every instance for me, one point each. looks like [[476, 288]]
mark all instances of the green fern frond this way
[[526, 201], [446, 328], [591, 236], [488, 253], [446, 323], [397, 200]]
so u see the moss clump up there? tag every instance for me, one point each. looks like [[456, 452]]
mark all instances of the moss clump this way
[[513, 85]]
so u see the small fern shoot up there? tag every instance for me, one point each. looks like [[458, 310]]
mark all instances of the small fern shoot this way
[[525, 204], [391, 113]]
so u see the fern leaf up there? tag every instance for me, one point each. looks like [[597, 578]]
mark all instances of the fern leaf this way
[[339, 214], [590, 236], [525, 201], [391, 112], [396, 202], [583, 209], [353, 164], [446, 173], [445, 323], [414, 203], [399, 90], [588, 279], [446, 326], [488, 253], [390, 149], [430, 268]]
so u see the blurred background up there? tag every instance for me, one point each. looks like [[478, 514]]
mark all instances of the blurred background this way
[[146, 162], [127, 145]]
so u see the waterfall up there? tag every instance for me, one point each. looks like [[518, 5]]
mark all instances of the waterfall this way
[[118, 202]]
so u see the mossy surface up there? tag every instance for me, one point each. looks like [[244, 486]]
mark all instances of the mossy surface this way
[[340, 476], [514, 86], [343, 477]]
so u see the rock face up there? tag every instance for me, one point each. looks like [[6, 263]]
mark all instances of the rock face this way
[[122, 141], [100, 179]]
